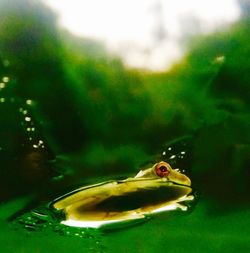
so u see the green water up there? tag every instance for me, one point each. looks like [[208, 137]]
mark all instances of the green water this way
[[197, 231]]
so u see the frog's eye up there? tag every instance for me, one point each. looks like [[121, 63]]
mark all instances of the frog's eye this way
[[162, 169]]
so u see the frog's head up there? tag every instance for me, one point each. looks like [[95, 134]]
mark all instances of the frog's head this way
[[163, 170]]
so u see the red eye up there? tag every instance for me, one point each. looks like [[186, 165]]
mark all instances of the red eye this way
[[162, 169]]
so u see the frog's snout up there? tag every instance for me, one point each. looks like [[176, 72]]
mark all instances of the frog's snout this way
[[180, 178], [186, 180]]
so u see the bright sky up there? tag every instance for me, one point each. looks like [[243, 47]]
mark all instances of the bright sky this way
[[145, 33]]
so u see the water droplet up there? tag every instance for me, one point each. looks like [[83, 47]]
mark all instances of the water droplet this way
[[220, 59], [27, 118], [169, 148], [6, 79], [28, 101], [172, 157], [2, 85]]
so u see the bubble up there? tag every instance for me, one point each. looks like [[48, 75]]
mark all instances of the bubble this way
[[2, 100], [28, 101], [2, 85], [27, 118], [220, 59], [6, 79]]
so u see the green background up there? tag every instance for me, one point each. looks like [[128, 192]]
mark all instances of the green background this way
[[98, 119]]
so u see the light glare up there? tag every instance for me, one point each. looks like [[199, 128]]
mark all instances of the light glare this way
[[145, 33]]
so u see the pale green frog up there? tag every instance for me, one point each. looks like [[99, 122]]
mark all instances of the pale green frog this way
[[156, 189]]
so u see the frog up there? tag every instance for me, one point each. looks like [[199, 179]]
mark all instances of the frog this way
[[156, 189]]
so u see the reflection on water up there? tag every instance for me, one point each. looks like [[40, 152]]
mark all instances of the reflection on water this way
[[43, 220]]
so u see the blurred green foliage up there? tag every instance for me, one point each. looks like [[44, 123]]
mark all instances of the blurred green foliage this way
[[101, 118]]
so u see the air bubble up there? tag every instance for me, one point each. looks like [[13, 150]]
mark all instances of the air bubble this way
[[28, 101], [6, 79], [220, 59], [27, 118]]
